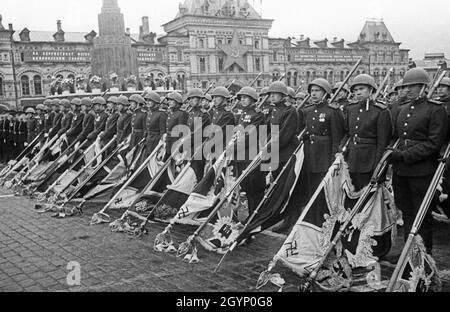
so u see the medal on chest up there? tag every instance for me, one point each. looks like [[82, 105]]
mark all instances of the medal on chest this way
[[247, 118], [322, 117]]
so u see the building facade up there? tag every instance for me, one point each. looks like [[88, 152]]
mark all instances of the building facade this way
[[226, 42]]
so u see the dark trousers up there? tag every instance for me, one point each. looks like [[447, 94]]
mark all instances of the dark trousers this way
[[253, 185], [360, 180], [409, 194]]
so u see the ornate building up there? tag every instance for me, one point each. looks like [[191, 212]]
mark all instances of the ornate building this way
[[208, 41]]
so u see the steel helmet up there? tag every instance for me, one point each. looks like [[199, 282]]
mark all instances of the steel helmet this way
[[339, 84], [112, 99], [65, 103], [398, 85], [445, 82], [176, 97], [208, 97], [278, 87], [416, 76], [249, 91], [152, 96], [76, 101], [221, 91], [322, 83], [56, 102], [300, 95], [291, 92], [264, 91], [47, 102], [196, 92], [40, 106], [98, 100], [365, 80], [137, 98], [30, 110], [123, 100], [86, 101]]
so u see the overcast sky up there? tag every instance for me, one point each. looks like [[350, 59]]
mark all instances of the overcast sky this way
[[422, 26]]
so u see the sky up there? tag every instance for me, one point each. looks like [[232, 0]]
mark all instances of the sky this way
[[421, 26]]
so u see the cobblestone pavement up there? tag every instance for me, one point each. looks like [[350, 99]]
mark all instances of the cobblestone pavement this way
[[35, 251]]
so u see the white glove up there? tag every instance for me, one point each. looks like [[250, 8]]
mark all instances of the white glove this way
[[269, 178], [46, 135], [77, 145], [25, 144]]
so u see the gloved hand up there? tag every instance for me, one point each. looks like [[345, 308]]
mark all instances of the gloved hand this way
[[25, 144], [77, 145], [46, 135], [395, 156], [269, 179]]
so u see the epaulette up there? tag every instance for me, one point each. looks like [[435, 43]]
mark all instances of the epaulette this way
[[334, 105], [435, 102], [380, 105]]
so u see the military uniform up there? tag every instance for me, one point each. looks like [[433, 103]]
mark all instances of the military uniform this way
[[32, 129], [370, 130], [57, 121], [2, 141], [223, 118], [87, 126], [325, 128], [175, 118], [156, 128], [66, 123], [421, 126], [48, 121], [138, 126], [10, 142], [123, 126], [21, 136], [76, 127], [110, 128], [99, 126], [255, 183], [198, 165]]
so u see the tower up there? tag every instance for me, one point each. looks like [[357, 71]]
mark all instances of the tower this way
[[112, 51]]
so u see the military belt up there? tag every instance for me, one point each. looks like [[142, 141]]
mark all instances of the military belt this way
[[138, 130], [357, 140], [313, 137], [409, 142]]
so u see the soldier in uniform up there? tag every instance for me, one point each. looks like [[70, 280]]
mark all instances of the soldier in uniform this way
[[32, 130], [291, 96], [156, 121], [342, 97], [49, 116], [175, 118], [111, 122], [40, 118], [443, 93], [77, 121], [58, 116], [400, 100], [299, 98], [88, 121], [67, 117], [222, 117], [286, 118], [421, 125], [124, 120], [370, 130], [254, 184], [325, 128], [206, 104], [198, 120], [10, 138], [138, 120], [22, 134], [100, 118], [266, 107]]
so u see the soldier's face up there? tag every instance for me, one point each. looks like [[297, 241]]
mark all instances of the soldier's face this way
[[317, 94], [343, 94], [402, 93], [194, 101], [276, 98], [110, 106], [246, 101], [73, 107], [362, 92], [299, 101], [443, 91], [120, 108], [413, 91], [83, 108], [218, 101], [133, 105]]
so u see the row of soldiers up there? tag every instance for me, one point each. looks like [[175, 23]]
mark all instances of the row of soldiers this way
[[366, 124]]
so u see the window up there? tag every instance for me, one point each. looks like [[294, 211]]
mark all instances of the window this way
[[25, 81], [257, 44], [342, 76], [325, 75], [308, 77], [1, 86], [275, 56], [220, 63], [219, 41], [180, 56], [204, 84], [22, 57], [258, 83], [331, 77], [258, 64], [295, 78], [37, 85], [288, 79], [202, 65], [201, 44]]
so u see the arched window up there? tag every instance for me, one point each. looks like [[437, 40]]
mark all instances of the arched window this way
[[342, 76], [72, 87], [181, 81], [288, 79], [1, 86], [37, 82], [331, 77], [201, 44], [25, 82], [325, 75], [313, 75], [308, 77], [295, 79], [257, 44]]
